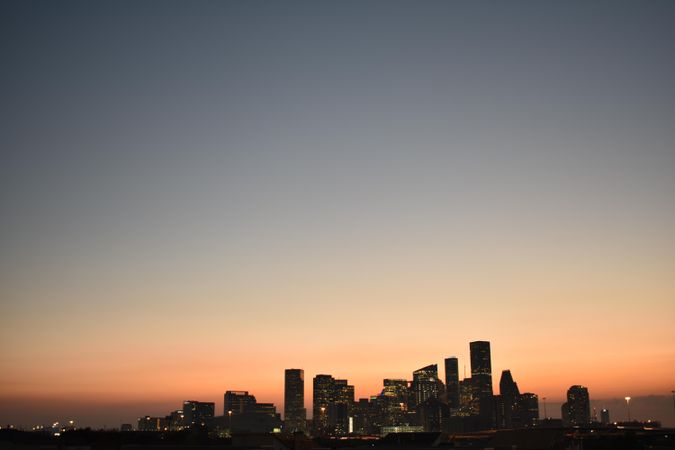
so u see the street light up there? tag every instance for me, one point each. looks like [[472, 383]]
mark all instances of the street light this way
[[628, 407], [229, 420], [545, 415]]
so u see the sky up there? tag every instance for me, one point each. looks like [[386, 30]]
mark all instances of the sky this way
[[198, 195]]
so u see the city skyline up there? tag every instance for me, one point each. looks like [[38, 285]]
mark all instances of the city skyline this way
[[548, 407], [197, 196]]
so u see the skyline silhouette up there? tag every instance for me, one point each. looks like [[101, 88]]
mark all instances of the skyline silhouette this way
[[650, 407]]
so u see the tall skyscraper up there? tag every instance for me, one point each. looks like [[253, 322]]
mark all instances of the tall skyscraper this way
[[323, 389], [425, 383], [295, 415], [481, 376], [452, 382], [577, 409]]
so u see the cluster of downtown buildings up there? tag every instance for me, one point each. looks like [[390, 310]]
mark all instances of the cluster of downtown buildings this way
[[425, 403]]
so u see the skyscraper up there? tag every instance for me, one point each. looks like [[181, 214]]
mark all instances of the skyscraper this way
[[468, 398], [394, 402], [577, 410], [323, 390], [509, 411], [452, 382], [529, 409], [339, 410], [481, 376], [295, 415], [425, 383]]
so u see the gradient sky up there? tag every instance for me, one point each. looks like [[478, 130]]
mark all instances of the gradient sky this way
[[198, 195]]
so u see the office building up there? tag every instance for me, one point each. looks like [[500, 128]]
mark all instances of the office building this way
[[237, 402], [197, 413], [577, 410], [529, 409], [323, 391], [295, 415], [452, 382], [508, 406], [481, 375], [425, 384], [394, 402], [148, 423], [339, 411]]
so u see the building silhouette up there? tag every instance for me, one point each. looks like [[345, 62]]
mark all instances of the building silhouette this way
[[452, 382], [508, 404], [481, 377], [322, 388], [148, 423], [197, 413], [339, 410], [576, 410], [468, 398], [425, 384], [237, 402], [529, 409], [295, 415]]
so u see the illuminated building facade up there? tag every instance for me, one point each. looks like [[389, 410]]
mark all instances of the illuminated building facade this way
[[425, 384]]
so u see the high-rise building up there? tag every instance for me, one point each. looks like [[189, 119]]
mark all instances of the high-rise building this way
[[425, 384], [481, 376], [197, 413], [332, 406], [452, 382], [577, 410], [529, 409], [508, 411], [468, 398], [433, 415], [339, 411], [394, 402], [604, 416], [323, 389], [237, 402], [295, 415], [362, 417]]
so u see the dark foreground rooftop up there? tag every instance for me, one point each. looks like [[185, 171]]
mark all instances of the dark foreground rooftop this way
[[528, 439]]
